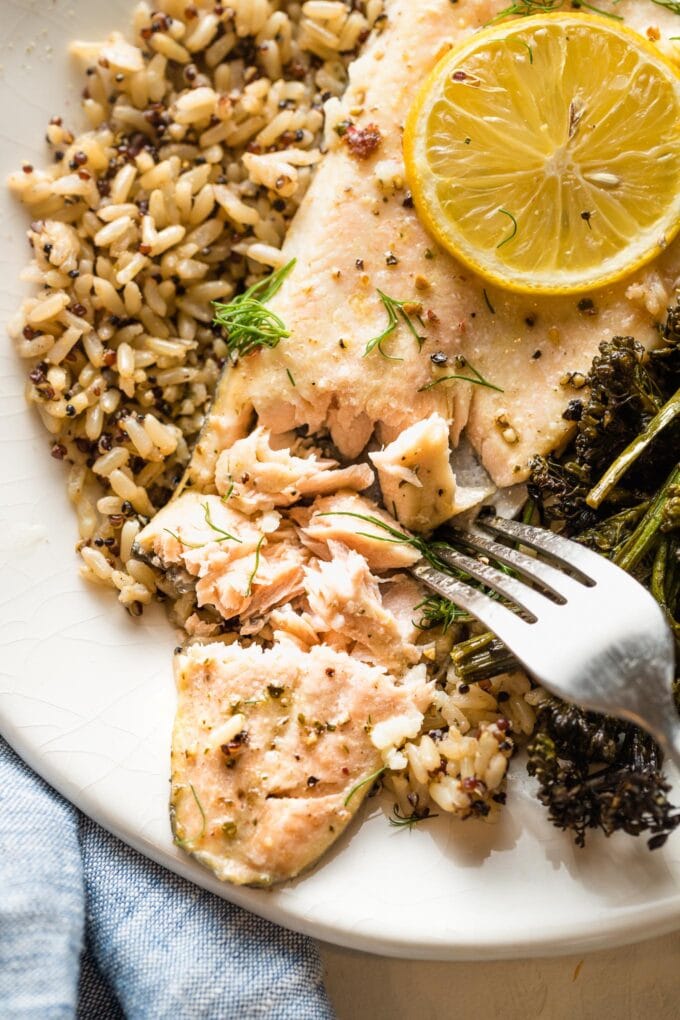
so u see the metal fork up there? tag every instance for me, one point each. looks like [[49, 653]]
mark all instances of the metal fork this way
[[584, 628]]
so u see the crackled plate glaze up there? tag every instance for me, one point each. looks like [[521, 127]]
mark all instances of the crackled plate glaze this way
[[86, 693]]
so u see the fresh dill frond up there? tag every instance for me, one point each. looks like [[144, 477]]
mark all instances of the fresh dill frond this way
[[251, 579], [524, 8], [671, 5], [397, 311], [401, 821], [290, 377], [598, 10], [225, 536], [200, 808], [440, 612], [487, 302], [428, 550], [475, 377], [186, 843], [362, 782], [510, 217], [248, 322], [528, 49], [183, 541]]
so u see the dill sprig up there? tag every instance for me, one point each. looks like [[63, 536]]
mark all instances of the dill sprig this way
[[671, 5], [511, 218], [528, 49], [251, 579], [397, 311], [475, 377], [401, 821], [200, 808], [523, 8], [363, 782], [487, 302], [225, 536], [187, 843], [247, 320], [440, 612], [428, 550]]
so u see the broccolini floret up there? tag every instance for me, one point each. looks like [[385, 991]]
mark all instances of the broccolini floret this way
[[599, 773], [616, 489]]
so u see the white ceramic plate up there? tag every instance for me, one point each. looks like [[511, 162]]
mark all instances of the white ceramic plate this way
[[86, 694]]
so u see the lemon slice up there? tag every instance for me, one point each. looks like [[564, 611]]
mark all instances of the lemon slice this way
[[545, 153]]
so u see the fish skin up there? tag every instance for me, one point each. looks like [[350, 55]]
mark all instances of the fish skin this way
[[269, 781], [326, 298]]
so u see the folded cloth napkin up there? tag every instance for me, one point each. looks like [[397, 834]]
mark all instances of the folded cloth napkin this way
[[91, 929]]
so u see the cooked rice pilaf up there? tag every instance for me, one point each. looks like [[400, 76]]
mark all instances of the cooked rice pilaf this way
[[202, 136]]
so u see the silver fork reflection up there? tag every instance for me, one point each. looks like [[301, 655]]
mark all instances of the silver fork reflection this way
[[582, 627]]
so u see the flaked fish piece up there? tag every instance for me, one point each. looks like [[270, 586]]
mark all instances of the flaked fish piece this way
[[268, 745], [344, 598], [251, 585], [415, 475], [288, 625], [256, 477], [241, 565], [195, 526], [401, 597], [355, 234], [342, 518]]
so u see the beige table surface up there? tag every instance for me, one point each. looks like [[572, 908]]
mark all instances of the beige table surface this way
[[640, 982]]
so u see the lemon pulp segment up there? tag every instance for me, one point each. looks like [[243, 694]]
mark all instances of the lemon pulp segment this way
[[545, 153]]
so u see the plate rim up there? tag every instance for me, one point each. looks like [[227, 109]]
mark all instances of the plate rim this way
[[623, 926], [612, 927]]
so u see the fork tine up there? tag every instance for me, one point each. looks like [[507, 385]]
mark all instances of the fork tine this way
[[561, 585], [584, 563], [525, 597], [507, 626]]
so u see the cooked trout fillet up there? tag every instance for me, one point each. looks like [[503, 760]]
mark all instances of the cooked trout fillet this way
[[355, 233], [267, 747], [269, 742]]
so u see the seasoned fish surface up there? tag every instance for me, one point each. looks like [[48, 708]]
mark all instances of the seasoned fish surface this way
[[269, 742], [355, 234], [268, 745]]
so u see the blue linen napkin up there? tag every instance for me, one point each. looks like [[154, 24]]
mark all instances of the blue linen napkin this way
[[91, 929]]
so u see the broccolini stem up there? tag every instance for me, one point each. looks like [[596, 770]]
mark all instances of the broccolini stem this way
[[657, 585], [482, 657], [662, 586], [642, 539], [615, 472]]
